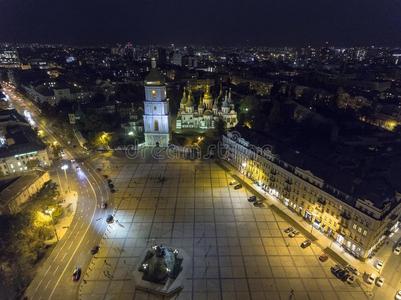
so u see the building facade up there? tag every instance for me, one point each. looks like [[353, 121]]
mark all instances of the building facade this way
[[206, 114], [15, 191], [355, 224], [156, 117]]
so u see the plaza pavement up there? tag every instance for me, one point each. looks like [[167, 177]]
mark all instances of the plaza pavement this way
[[237, 251]]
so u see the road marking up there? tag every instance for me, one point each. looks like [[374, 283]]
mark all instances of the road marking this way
[[56, 268], [40, 282], [76, 249]]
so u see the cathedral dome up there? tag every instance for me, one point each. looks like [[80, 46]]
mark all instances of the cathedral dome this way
[[190, 99]]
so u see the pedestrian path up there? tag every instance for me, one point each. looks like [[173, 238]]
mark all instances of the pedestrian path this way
[[324, 242]]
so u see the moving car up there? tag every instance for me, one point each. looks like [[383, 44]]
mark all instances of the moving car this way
[[306, 244], [238, 186], [289, 229], [95, 249], [76, 274], [371, 278], [294, 233], [323, 257], [252, 199], [398, 295], [379, 281]]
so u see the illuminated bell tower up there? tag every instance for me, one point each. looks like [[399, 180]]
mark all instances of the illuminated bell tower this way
[[156, 118]]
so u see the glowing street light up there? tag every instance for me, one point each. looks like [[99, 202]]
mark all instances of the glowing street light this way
[[65, 168]]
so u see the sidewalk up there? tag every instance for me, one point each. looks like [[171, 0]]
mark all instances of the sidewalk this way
[[328, 245], [65, 222]]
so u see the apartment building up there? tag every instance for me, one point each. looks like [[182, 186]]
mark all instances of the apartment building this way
[[20, 148], [356, 213]]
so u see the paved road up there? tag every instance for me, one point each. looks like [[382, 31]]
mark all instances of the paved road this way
[[53, 280], [391, 271]]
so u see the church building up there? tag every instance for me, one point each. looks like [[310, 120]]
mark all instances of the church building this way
[[207, 112]]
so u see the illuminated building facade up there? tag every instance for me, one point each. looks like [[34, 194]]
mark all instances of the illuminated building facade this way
[[356, 223], [156, 118], [208, 111]]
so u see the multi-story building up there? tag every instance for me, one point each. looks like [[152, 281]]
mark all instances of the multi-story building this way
[[9, 59], [356, 213], [17, 190], [20, 148]]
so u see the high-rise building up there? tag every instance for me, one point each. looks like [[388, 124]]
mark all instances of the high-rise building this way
[[156, 118], [9, 59]]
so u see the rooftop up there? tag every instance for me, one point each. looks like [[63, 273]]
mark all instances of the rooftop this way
[[12, 186], [358, 171]]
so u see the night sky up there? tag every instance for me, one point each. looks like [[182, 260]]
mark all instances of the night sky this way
[[208, 22]]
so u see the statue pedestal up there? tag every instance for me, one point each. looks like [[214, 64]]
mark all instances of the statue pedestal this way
[[170, 287]]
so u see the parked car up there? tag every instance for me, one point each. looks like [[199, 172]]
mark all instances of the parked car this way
[[334, 269], [379, 281], [398, 295], [379, 264], [306, 244], [238, 186], [252, 199], [259, 204], [294, 233], [289, 229], [353, 270], [343, 274], [397, 250], [76, 274], [110, 219], [371, 278], [103, 205], [351, 279], [323, 257], [95, 249]]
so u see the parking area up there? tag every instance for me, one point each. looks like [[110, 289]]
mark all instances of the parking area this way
[[238, 251]]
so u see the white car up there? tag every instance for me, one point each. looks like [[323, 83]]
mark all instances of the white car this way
[[350, 279], [379, 264], [397, 250], [379, 281], [371, 278], [398, 295]]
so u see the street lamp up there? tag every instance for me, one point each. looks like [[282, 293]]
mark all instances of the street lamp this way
[[65, 168]]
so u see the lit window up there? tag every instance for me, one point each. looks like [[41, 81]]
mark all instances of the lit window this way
[[365, 232], [354, 227]]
